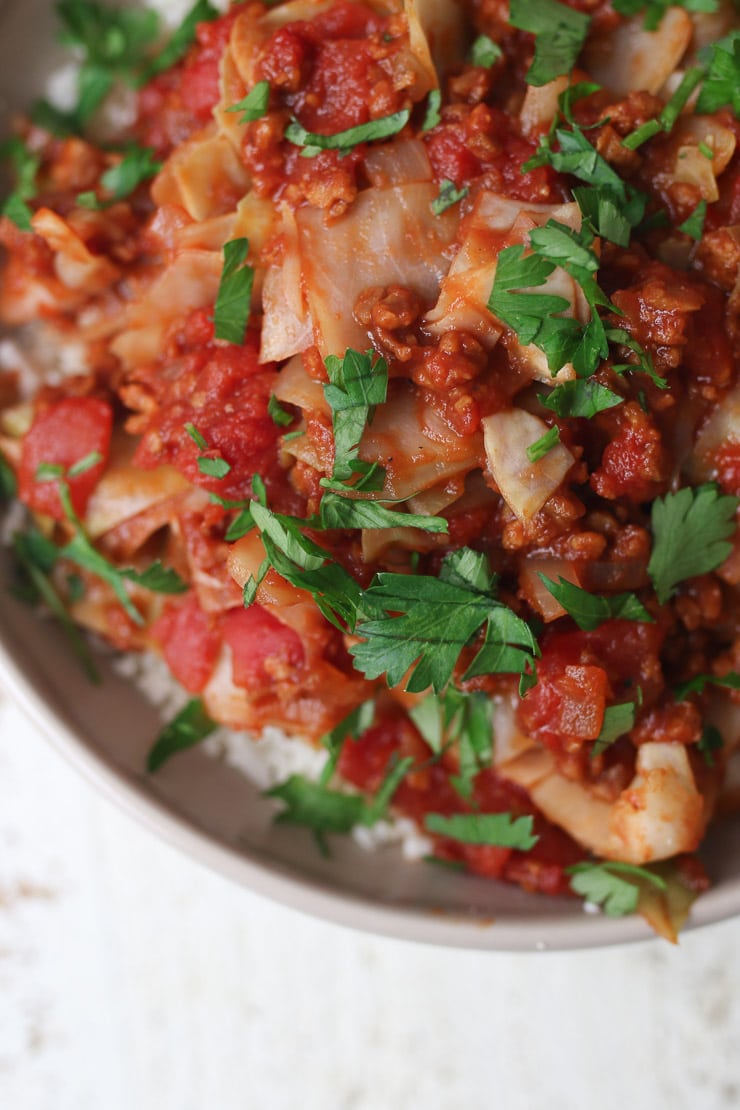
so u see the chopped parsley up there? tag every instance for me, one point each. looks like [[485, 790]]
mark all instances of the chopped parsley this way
[[583, 398], [602, 884], [356, 385], [191, 725], [590, 610], [693, 225], [500, 830], [711, 741], [234, 297], [485, 52], [618, 720], [343, 512], [352, 726], [544, 444], [667, 118], [721, 88], [699, 682], [182, 39], [345, 141], [463, 720], [279, 415], [691, 532], [421, 624], [559, 31], [8, 482], [655, 9], [432, 115], [255, 103], [25, 166], [447, 196], [120, 181]]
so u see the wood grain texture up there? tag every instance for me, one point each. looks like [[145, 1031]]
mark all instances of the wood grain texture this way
[[131, 979]]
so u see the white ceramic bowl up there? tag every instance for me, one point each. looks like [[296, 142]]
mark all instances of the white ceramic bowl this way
[[214, 813]]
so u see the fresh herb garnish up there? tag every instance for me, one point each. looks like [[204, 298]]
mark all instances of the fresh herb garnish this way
[[8, 482], [448, 195], [711, 741], [344, 512], [463, 720], [158, 578], [693, 225], [279, 415], [691, 531], [721, 88], [655, 9], [485, 52], [590, 610], [214, 468], [545, 443], [667, 118], [618, 719], [583, 398], [501, 830], [181, 41], [699, 682], [255, 103], [601, 883], [345, 141], [234, 297], [120, 181], [559, 31], [36, 557], [356, 385], [424, 623], [25, 166], [432, 115], [191, 725], [352, 726]]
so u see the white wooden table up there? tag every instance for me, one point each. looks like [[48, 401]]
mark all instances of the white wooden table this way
[[131, 979]]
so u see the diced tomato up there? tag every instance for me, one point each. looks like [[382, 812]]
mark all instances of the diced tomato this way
[[191, 642], [364, 761], [62, 435], [263, 648]]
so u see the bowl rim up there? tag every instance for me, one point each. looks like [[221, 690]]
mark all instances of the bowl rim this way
[[310, 896]]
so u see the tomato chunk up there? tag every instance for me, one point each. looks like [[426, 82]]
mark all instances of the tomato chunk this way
[[190, 641], [62, 435], [263, 648]]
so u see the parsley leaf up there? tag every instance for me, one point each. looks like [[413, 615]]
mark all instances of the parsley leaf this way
[[722, 85], [233, 301], [448, 195], [353, 725], [559, 31], [254, 105], [280, 416], [36, 556], [191, 725], [463, 720], [214, 468], [343, 512], [182, 39], [8, 482], [691, 531], [618, 719], [158, 578], [590, 610], [432, 115], [545, 443], [583, 398], [667, 118], [501, 830], [356, 386], [137, 166], [711, 742], [424, 622], [485, 52], [601, 884], [699, 682], [345, 141], [25, 167], [693, 225], [656, 9]]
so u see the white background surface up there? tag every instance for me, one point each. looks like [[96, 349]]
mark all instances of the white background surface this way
[[132, 979]]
